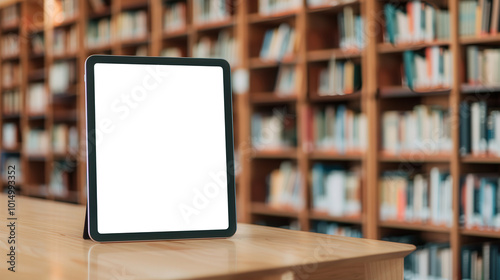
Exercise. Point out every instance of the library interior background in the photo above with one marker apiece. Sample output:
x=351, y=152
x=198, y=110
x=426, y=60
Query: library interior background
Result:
x=373, y=119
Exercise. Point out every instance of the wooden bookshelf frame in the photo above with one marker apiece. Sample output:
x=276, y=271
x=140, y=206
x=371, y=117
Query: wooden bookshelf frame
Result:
x=372, y=98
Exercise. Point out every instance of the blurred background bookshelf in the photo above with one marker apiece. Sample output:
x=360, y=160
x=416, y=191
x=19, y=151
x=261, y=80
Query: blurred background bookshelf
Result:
x=375, y=119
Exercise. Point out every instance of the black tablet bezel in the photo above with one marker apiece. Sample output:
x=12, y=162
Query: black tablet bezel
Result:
x=91, y=151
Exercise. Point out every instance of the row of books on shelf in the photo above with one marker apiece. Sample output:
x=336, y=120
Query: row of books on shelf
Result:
x=14, y=161
x=10, y=44
x=430, y=68
x=37, y=99
x=479, y=129
x=62, y=179
x=10, y=132
x=269, y=7
x=98, y=32
x=406, y=197
x=480, y=201
x=478, y=18
x=336, y=191
x=65, y=9
x=483, y=66
x=10, y=15
x=337, y=229
x=65, y=41
x=11, y=103
x=64, y=138
x=274, y=130
x=425, y=129
x=208, y=11
x=288, y=80
x=171, y=52
x=174, y=16
x=37, y=43
x=36, y=142
x=351, y=30
x=132, y=24
x=225, y=46
x=278, y=43
x=415, y=21
x=11, y=74
x=337, y=128
x=339, y=78
x=62, y=76
x=322, y=3
x=284, y=187
x=480, y=261
x=428, y=261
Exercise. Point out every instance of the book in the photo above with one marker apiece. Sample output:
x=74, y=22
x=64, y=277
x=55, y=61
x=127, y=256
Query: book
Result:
x=415, y=22
x=351, y=36
x=273, y=130
x=278, y=43
x=10, y=15
x=65, y=41
x=36, y=142
x=174, y=16
x=10, y=135
x=288, y=82
x=132, y=24
x=37, y=99
x=224, y=46
x=210, y=11
x=478, y=18
x=339, y=78
x=13, y=160
x=428, y=69
x=424, y=129
x=336, y=191
x=64, y=138
x=482, y=64
x=480, y=261
x=284, y=187
x=62, y=76
x=424, y=198
x=65, y=9
x=171, y=52
x=10, y=45
x=479, y=202
x=338, y=129
x=484, y=126
x=98, y=32
x=269, y=7
x=11, y=103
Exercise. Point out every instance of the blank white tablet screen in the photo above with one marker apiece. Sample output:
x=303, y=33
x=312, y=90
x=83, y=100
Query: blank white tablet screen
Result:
x=160, y=148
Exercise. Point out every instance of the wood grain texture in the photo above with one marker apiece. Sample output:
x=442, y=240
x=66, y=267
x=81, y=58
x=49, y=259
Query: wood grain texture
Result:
x=49, y=246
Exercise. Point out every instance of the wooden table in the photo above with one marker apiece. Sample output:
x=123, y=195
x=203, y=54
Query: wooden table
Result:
x=49, y=245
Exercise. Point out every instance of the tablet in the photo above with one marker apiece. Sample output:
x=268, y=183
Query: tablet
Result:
x=159, y=148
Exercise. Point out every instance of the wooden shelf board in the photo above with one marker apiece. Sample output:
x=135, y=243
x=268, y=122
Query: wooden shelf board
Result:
x=11, y=27
x=414, y=157
x=11, y=116
x=316, y=215
x=481, y=232
x=11, y=150
x=400, y=92
x=471, y=89
x=179, y=33
x=327, y=54
x=257, y=63
x=37, y=55
x=10, y=57
x=264, y=209
x=134, y=41
x=11, y=86
x=276, y=17
x=414, y=226
x=65, y=56
x=220, y=24
x=104, y=12
x=328, y=155
x=99, y=48
x=36, y=117
x=275, y=154
x=135, y=5
x=390, y=48
x=336, y=6
x=481, y=159
x=314, y=97
x=271, y=98
x=36, y=157
x=480, y=39
x=36, y=75
x=67, y=21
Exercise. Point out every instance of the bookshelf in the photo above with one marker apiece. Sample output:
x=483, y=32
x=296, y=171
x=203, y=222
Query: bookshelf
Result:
x=282, y=105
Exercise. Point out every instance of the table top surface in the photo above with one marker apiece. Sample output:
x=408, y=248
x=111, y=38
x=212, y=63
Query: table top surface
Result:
x=49, y=242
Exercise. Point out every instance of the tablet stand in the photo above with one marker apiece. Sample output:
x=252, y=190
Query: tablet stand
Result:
x=85, y=226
